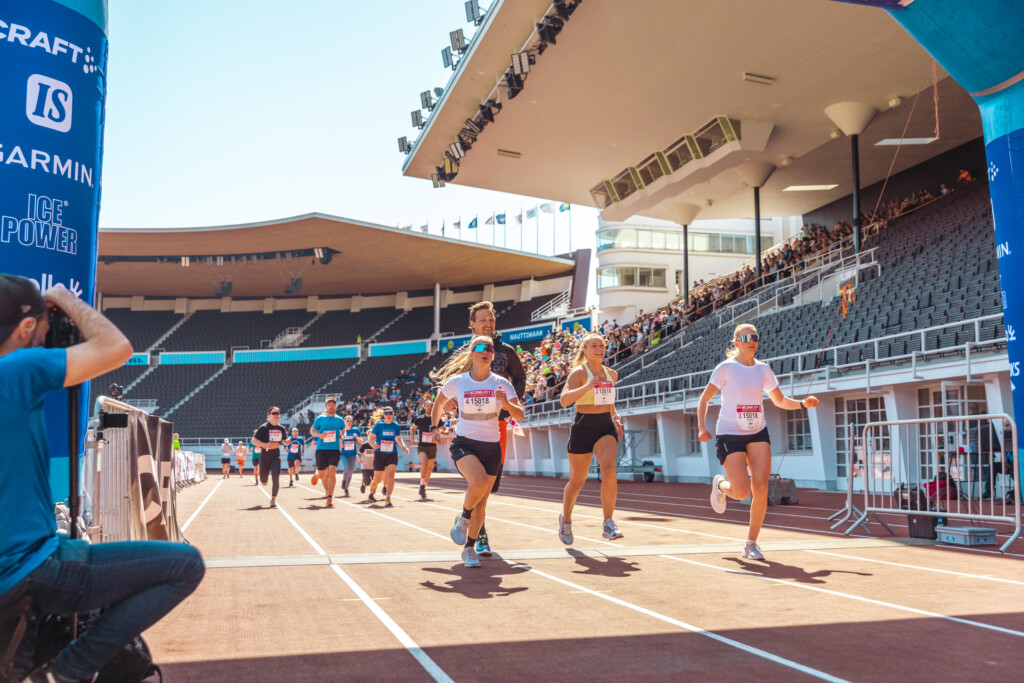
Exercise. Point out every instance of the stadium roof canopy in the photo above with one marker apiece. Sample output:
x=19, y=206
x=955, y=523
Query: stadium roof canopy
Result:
x=627, y=79
x=364, y=259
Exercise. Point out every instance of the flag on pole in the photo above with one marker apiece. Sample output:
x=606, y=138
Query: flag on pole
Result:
x=564, y=206
x=457, y=224
x=547, y=208
x=531, y=213
x=472, y=224
x=425, y=227
x=501, y=219
x=489, y=221
x=519, y=218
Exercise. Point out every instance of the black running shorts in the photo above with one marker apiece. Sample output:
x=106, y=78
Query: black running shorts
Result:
x=487, y=452
x=429, y=448
x=327, y=458
x=588, y=429
x=737, y=443
x=381, y=461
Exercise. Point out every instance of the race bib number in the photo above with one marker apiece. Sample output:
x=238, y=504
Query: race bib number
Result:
x=479, y=402
x=749, y=417
x=426, y=437
x=604, y=393
x=275, y=437
x=387, y=447
x=294, y=448
x=349, y=444
x=330, y=437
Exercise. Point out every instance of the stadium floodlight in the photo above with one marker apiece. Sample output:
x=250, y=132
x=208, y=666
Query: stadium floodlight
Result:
x=458, y=41
x=437, y=180
x=224, y=289
x=220, y=260
x=473, y=126
x=417, y=118
x=521, y=63
x=549, y=29
x=438, y=92
x=564, y=9
x=446, y=58
x=404, y=146
x=277, y=256
x=457, y=151
x=473, y=14
x=185, y=261
x=295, y=287
x=427, y=100
x=514, y=83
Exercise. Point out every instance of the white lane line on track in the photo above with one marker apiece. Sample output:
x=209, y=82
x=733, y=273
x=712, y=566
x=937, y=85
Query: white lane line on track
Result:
x=380, y=514
x=431, y=667
x=661, y=617
x=918, y=567
x=683, y=625
x=881, y=603
x=208, y=496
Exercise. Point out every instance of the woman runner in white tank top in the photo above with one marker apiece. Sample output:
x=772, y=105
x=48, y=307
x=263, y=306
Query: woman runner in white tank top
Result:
x=742, y=431
x=596, y=431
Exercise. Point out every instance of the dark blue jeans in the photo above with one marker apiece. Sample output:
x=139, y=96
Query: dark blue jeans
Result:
x=140, y=581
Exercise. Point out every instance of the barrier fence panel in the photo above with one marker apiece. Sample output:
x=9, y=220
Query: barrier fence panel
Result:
x=130, y=475
x=950, y=468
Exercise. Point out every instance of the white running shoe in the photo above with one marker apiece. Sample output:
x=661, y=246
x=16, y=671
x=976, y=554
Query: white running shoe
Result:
x=564, y=531
x=718, y=497
x=611, y=531
x=752, y=552
x=469, y=555
x=459, y=530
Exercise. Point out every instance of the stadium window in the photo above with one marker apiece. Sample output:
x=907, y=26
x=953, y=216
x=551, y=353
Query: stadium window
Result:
x=643, y=239
x=714, y=243
x=606, y=239
x=673, y=241
x=852, y=415
x=698, y=241
x=657, y=240
x=692, y=434
x=798, y=430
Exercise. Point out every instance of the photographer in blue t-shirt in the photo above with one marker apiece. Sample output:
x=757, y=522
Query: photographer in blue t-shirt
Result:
x=139, y=582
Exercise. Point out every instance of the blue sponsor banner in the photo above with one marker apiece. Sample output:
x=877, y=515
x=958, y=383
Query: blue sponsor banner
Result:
x=282, y=355
x=193, y=358
x=138, y=359
x=1005, y=156
x=52, y=91
x=399, y=348
x=523, y=334
x=577, y=324
x=449, y=344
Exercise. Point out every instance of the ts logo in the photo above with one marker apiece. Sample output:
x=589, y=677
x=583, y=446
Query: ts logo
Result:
x=48, y=103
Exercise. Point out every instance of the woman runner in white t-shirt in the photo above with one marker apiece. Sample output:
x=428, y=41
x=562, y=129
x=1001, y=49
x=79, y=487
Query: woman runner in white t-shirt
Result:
x=596, y=431
x=476, y=449
x=743, y=443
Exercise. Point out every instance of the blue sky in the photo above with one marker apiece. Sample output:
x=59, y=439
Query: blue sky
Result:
x=237, y=111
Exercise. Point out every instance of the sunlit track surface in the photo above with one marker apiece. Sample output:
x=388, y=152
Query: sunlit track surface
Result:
x=364, y=592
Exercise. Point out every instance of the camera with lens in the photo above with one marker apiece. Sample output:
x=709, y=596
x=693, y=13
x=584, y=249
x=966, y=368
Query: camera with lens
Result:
x=63, y=330
x=116, y=391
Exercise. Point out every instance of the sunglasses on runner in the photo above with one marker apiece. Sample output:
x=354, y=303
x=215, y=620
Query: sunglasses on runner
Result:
x=747, y=338
x=275, y=412
x=485, y=348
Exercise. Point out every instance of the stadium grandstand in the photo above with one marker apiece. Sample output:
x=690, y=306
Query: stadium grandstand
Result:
x=375, y=304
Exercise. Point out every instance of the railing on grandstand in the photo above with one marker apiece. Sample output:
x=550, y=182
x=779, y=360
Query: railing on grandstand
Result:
x=128, y=487
x=938, y=467
x=806, y=364
x=556, y=307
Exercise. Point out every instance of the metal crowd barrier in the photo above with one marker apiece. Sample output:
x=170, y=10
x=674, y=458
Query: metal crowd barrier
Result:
x=948, y=463
x=128, y=478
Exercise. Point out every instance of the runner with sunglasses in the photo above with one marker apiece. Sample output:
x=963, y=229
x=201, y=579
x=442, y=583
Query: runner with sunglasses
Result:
x=384, y=434
x=480, y=396
x=270, y=436
x=350, y=436
x=743, y=443
x=596, y=431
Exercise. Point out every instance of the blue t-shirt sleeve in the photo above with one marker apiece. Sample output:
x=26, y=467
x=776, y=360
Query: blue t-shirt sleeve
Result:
x=30, y=374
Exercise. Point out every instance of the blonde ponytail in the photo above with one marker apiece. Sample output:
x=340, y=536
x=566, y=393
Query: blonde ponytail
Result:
x=376, y=417
x=581, y=357
x=460, y=362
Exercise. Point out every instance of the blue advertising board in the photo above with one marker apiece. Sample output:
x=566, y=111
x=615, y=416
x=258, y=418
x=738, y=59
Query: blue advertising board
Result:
x=52, y=91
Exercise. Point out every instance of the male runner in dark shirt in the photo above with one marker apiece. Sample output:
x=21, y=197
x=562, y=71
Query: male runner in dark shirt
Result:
x=270, y=436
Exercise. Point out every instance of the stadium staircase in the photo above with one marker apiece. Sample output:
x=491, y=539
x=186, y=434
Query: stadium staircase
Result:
x=195, y=391
x=316, y=398
x=373, y=337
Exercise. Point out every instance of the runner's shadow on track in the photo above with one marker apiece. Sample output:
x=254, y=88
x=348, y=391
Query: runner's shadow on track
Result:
x=612, y=567
x=476, y=584
x=255, y=507
x=648, y=519
x=777, y=570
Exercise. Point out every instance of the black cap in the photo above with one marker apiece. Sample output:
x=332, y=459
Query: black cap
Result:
x=19, y=299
